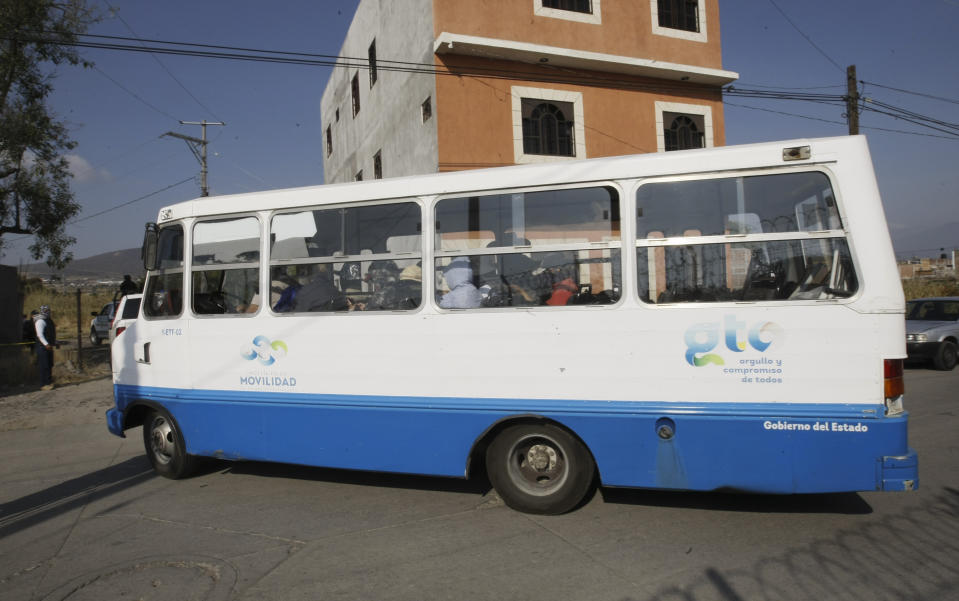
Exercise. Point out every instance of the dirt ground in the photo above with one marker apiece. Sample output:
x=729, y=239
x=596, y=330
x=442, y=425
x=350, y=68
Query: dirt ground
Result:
x=79, y=396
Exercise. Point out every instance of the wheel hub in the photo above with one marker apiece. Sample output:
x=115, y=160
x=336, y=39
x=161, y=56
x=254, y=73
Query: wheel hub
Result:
x=541, y=458
x=161, y=439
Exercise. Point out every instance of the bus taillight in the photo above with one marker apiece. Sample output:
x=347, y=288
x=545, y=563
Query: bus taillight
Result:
x=894, y=385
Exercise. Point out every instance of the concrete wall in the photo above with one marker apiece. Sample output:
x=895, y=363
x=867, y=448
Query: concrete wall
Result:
x=390, y=118
x=626, y=29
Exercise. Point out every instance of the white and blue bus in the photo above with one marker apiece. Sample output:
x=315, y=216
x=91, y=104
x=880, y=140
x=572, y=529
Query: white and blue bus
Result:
x=716, y=319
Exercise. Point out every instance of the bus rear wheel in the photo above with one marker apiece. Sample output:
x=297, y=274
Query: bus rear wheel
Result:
x=165, y=447
x=540, y=468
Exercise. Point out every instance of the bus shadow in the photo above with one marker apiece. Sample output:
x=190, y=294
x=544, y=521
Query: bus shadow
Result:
x=838, y=503
x=909, y=555
x=36, y=508
x=474, y=485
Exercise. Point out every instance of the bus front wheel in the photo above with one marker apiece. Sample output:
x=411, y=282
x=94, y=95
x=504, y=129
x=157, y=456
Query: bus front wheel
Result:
x=165, y=446
x=539, y=468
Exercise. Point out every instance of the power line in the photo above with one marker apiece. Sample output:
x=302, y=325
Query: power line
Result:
x=536, y=73
x=131, y=93
x=113, y=208
x=130, y=202
x=162, y=66
x=870, y=83
x=808, y=39
x=756, y=108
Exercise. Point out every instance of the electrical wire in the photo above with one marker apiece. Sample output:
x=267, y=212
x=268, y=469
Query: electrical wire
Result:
x=116, y=13
x=131, y=93
x=130, y=202
x=808, y=39
x=870, y=83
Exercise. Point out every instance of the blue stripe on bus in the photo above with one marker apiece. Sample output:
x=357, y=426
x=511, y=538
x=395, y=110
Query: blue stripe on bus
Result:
x=759, y=447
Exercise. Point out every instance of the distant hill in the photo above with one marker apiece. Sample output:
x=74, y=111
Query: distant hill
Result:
x=111, y=265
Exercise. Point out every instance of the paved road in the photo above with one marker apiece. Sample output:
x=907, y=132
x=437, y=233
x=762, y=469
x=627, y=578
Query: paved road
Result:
x=84, y=518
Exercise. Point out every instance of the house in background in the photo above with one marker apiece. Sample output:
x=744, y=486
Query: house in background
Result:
x=441, y=85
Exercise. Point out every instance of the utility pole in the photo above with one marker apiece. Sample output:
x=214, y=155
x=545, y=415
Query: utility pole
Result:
x=198, y=148
x=852, y=100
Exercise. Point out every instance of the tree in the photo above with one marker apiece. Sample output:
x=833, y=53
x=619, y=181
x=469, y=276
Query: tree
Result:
x=35, y=195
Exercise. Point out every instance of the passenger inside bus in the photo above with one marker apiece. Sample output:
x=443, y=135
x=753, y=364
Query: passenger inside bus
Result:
x=462, y=293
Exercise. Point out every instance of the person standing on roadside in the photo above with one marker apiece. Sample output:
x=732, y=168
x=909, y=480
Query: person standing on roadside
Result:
x=46, y=341
x=128, y=286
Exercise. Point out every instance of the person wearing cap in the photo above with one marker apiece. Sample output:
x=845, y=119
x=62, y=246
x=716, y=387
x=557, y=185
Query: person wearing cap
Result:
x=46, y=332
x=463, y=294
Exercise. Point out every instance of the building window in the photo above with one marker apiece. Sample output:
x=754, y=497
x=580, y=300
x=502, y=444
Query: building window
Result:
x=355, y=89
x=329, y=140
x=684, y=19
x=547, y=125
x=427, y=109
x=359, y=176
x=372, y=58
x=579, y=6
x=378, y=165
x=679, y=14
x=583, y=11
x=681, y=126
x=682, y=132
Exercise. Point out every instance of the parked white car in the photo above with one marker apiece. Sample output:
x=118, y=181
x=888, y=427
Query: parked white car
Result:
x=127, y=312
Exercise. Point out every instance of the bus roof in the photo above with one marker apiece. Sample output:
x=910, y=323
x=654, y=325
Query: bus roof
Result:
x=704, y=160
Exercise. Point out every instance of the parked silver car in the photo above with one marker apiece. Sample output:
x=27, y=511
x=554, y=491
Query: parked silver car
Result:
x=932, y=330
x=100, y=324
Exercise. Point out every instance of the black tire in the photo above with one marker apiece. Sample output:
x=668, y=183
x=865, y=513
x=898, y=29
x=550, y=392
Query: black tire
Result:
x=94, y=338
x=946, y=358
x=165, y=447
x=540, y=468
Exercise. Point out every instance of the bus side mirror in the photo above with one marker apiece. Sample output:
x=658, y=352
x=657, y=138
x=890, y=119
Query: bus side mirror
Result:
x=148, y=252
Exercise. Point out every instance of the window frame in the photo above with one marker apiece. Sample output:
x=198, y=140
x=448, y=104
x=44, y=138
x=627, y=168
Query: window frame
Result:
x=180, y=269
x=620, y=244
x=419, y=254
x=799, y=235
x=692, y=36
x=700, y=110
x=258, y=264
x=518, y=94
x=371, y=60
x=355, y=93
x=595, y=17
x=426, y=109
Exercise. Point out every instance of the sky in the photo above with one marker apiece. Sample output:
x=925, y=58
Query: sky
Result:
x=118, y=110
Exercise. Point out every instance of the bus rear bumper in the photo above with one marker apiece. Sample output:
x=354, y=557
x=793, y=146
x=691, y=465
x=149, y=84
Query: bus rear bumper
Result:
x=899, y=473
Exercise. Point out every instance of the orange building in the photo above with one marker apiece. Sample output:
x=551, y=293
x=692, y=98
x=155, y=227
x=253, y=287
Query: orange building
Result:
x=441, y=85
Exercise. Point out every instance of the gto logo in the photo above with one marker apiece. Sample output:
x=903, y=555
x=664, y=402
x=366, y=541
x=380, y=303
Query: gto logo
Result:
x=702, y=338
x=265, y=351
